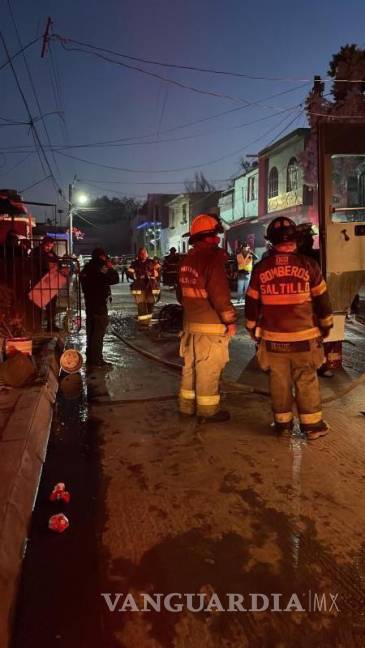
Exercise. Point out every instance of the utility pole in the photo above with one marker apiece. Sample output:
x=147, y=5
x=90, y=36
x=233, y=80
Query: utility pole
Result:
x=46, y=37
x=70, y=213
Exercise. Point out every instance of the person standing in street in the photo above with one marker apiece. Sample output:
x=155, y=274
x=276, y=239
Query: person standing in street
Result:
x=96, y=278
x=124, y=269
x=209, y=321
x=170, y=269
x=144, y=287
x=244, y=259
x=43, y=259
x=289, y=311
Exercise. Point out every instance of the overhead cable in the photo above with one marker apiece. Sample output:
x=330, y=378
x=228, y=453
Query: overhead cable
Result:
x=188, y=168
x=200, y=69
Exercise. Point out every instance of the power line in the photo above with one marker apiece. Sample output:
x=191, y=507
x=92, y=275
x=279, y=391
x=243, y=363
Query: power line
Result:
x=18, y=164
x=32, y=85
x=146, y=182
x=189, y=168
x=35, y=184
x=179, y=84
x=199, y=69
x=23, y=49
x=31, y=122
x=121, y=143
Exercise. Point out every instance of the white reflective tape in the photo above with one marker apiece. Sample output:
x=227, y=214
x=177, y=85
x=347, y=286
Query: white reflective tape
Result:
x=208, y=400
x=188, y=394
x=307, y=419
x=283, y=417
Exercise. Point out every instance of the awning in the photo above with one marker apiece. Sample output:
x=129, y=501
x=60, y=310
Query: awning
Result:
x=12, y=206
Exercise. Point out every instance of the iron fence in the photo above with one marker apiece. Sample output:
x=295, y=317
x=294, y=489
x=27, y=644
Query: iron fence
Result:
x=39, y=288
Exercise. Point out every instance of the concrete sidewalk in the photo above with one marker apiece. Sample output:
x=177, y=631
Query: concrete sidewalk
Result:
x=25, y=420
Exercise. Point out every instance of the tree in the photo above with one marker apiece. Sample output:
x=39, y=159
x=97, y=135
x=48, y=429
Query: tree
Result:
x=348, y=63
x=200, y=183
x=348, y=100
x=107, y=222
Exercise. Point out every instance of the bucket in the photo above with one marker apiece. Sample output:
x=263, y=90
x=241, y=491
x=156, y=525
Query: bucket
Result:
x=71, y=361
x=22, y=344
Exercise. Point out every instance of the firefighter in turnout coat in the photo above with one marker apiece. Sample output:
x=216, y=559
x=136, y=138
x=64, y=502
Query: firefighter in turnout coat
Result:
x=288, y=309
x=209, y=321
x=144, y=287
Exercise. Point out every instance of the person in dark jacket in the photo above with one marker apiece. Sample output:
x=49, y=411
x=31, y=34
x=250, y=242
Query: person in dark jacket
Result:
x=170, y=268
x=43, y=260
x=96, y=278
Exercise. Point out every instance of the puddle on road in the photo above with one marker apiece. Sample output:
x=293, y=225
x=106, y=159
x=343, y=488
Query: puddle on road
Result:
x=58, y=602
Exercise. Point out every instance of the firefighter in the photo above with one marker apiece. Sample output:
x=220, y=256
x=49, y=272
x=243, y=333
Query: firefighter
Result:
x=288, y=309
x=96, y=277
x=209, y=321
x=144, y=287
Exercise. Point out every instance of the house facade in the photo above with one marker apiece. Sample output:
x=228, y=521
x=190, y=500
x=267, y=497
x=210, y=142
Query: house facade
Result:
x=275, y=187
x=182, y=210
x=226, y=205
x=282, y=190
x=149, y=226
x=245, y=210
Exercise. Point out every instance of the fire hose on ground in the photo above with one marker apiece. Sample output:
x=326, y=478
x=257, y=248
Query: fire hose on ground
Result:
x=228, y=385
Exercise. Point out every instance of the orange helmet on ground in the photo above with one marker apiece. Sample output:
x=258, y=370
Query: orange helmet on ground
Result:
x=204, y=225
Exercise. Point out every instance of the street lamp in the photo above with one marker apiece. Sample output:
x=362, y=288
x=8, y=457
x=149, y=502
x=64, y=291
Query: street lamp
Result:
x=79, y=200
x=82, y=199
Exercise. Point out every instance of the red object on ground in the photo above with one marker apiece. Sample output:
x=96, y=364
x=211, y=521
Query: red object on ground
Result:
x=333, y=353
x=58, y=523
x=60, y=493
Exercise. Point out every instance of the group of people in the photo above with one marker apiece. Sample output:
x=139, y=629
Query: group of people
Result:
x=288, y=314
x=22, y=271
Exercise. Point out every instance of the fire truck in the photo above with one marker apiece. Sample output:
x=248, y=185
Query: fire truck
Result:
x=341, y=160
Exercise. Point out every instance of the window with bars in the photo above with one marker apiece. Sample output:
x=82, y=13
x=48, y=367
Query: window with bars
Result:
x=273, y=183
x=292, y=175
x=251, y=189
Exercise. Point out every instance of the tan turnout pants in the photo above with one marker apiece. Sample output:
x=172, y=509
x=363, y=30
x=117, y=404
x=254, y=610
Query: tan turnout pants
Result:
x=205, y=357
x=293, y=376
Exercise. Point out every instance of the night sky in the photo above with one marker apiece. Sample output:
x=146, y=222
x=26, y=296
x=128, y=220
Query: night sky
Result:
x=102, y=101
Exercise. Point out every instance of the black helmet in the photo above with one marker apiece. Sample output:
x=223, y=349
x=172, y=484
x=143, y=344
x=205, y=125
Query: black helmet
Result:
x=281, y=230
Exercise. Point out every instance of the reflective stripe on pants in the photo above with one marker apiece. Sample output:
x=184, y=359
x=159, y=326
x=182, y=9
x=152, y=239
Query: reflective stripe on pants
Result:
x=205, y=357
x=296, y=369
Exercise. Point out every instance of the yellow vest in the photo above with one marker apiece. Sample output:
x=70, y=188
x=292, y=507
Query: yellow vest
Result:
x=245, y=262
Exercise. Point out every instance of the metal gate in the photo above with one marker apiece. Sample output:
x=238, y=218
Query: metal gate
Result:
x=39, y=287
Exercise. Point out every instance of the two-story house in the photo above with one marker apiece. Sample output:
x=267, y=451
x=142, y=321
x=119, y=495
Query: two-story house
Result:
x=182, y=210
x=245, y=211
x=282, y=190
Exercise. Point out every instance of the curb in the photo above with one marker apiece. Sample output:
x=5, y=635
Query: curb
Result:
x=23, y=450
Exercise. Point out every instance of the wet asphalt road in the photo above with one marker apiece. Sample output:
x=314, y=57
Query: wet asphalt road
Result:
x=161, y=505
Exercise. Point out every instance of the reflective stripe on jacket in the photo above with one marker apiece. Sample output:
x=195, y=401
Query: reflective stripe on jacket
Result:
x=287, y=299
x=204, y=291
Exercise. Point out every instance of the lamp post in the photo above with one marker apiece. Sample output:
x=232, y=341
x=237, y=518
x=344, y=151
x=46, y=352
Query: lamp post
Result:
x=80, y=199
